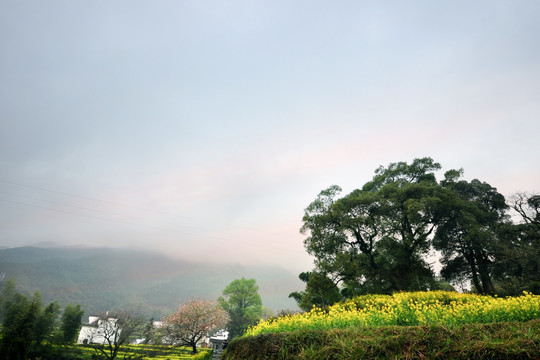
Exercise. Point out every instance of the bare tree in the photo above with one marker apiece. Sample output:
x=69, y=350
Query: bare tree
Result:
x=115, y=331
x=528, y=206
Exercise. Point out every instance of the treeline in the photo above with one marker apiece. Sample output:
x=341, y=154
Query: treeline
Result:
x=31, y=329
x=377, y=239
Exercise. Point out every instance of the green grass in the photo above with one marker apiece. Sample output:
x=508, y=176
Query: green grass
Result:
x=143, y=352
x=505, y=340
x=418, y=325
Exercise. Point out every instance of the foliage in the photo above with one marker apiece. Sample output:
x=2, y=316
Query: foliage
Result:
x=518, y=254
x=18, y=327
x=373, y=239
x=467, y=233
x=71, y=323
x=243, y=303
x=416, y=308
x=505, y=340
x=46, y=323
x=193, y=320
x=26, y=325
x=376, y=239
x=144, y=282
x=7, y=297
x=320, y=291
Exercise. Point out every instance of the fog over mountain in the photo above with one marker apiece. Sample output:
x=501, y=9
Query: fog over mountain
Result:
x=107, y=279
x=195, y=128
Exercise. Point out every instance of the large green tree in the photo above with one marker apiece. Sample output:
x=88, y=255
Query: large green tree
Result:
x=242, y=301
x=467, y=234
x=375, y=238
x=71, y=323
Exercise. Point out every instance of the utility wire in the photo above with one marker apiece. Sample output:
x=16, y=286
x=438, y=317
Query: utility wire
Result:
x=229, y=240
x=91, y=216
x=83, y=208
x=111, y=203
x=264, y=244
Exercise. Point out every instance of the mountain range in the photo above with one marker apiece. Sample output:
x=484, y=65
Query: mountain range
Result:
x=148, y=283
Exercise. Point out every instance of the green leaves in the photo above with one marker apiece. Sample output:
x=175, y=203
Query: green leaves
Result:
x=71, y=323
x=467, y=230
x=320, y=291
x=373, y=238
x=376, y=238
x=243, y=303
x=25, y=323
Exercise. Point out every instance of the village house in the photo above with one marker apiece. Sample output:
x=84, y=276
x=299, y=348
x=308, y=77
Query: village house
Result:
x=219, y=343
x=95, y=330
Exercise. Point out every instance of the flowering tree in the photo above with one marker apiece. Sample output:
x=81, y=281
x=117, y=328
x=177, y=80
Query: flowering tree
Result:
x=194, y=320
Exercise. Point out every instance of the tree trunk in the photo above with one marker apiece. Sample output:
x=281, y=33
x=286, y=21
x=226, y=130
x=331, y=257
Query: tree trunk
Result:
x=487, y=283
x=483, y=271
x=476, y=281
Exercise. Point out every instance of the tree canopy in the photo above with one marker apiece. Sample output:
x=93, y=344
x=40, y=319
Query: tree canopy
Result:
x=71, y=322
x=372, y=239
x=27, y=326
x=243, y=303
x=320, y=291
x=377, y=238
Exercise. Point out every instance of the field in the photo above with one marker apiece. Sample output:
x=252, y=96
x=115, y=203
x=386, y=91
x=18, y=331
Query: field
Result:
x=142, y=352
x=445, y=325
x=415, y=308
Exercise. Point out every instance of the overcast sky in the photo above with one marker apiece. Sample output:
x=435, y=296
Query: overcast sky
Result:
x=203, y=128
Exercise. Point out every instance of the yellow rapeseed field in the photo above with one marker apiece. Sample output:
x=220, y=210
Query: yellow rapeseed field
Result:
x=408, y=308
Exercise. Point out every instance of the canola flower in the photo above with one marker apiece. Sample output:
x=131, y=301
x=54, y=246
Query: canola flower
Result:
x=407, y=309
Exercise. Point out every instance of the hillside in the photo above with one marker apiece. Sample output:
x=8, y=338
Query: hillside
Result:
x=405, y=325
x=102, y=279
x=507, y=340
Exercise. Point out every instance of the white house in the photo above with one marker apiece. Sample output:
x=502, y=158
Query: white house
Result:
x=219, y=340
x=96, y=331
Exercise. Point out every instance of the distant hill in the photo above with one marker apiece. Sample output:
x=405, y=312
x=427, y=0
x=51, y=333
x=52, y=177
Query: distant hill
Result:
x=150, y=283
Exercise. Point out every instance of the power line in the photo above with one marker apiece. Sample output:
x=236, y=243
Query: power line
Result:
x=71, y=194
x=137, y=219
x=81, y=207
x=109, y=203
x=89, y=216
x=227, y=240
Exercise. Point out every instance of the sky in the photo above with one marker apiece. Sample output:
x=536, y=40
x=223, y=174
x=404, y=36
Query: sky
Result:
x=203, y=129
